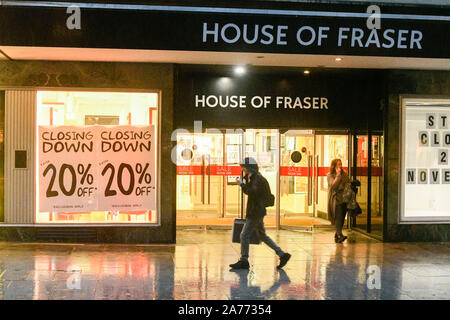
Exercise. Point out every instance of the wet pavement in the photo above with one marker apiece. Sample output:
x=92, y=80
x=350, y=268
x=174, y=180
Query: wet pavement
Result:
x=197, y=268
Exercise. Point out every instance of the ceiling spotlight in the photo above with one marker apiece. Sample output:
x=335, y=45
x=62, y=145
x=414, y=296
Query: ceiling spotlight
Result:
x=338, y=59
x=306, y=72
x=239, y=70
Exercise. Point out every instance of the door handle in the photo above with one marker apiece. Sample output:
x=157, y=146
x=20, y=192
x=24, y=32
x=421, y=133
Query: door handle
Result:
x=309, y=181
x=203, y=179
x=316, y=182
x=209, y=179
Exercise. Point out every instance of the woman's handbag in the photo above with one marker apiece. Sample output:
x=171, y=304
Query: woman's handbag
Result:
x=356, y=211
x=348, y=195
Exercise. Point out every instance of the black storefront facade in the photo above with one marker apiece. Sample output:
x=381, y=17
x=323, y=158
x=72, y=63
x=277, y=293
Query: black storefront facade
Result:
x=357, y=102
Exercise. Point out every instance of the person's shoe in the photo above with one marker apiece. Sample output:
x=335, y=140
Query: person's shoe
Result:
x=241, y=264
x=341, y=239
x=283, y=260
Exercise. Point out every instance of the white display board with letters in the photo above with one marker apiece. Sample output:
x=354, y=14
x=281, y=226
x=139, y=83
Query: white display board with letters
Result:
x=425, y=170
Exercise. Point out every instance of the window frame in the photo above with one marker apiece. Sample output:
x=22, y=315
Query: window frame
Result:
x=158, y=159
x=403, y=100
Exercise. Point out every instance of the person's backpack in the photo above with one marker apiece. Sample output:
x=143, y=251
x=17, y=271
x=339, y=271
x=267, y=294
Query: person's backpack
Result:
x=269, y=198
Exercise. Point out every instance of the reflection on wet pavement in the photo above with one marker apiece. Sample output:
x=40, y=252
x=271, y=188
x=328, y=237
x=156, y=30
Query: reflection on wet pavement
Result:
x=197, y=268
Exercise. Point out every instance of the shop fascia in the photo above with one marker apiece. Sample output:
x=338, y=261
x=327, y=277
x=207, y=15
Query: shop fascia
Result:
x=257, y=102
x=269, y=34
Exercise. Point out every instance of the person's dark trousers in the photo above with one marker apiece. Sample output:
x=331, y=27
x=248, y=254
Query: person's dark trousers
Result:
x=258, y=224
x=341, y=211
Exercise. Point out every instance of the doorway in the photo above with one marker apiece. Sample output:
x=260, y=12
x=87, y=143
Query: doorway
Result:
x=305, y=159
x=207, y=167
x=368, y=153
x=295, y=163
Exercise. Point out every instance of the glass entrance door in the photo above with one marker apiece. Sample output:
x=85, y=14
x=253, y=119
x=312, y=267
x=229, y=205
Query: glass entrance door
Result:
x=305, y=159
x=263, y=146
x=233, y=151
x=296, y=176
x=199, y=188
x=371, y=189
x=295, y=163
x=328, y=147
x=207, y=167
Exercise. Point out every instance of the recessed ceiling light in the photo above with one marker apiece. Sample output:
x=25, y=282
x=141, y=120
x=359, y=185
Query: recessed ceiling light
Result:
x=239, y=70
x=306, y=72
x=338, y=59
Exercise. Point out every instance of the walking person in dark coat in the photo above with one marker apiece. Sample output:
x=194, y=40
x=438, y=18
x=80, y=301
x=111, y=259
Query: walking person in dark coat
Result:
x=257, y=188
x=337, y=209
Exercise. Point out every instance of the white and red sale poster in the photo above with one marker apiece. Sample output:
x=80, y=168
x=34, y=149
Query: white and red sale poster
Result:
x=96, y=168
x=126, y=166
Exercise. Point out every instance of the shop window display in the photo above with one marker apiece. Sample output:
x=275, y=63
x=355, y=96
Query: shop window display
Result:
x=425, y=166
x=96, y=157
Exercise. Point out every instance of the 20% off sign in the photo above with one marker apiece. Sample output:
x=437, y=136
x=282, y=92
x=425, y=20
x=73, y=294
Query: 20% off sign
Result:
x=129, y=179
x=79, y=181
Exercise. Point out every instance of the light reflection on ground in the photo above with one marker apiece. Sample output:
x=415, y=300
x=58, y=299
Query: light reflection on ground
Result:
x=197, y=268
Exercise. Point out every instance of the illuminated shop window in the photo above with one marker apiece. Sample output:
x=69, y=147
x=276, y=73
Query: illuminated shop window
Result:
x=425, y=160
x=96, y=157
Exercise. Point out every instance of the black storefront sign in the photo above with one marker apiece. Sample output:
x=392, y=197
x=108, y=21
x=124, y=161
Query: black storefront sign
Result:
x=317, y=32
x=322, y=100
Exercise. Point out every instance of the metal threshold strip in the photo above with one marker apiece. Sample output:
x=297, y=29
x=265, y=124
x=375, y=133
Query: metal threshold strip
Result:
x=56, y=4
x=215, y=227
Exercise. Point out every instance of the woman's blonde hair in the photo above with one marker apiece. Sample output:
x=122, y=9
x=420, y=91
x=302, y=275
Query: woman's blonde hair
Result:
x=333, y=165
